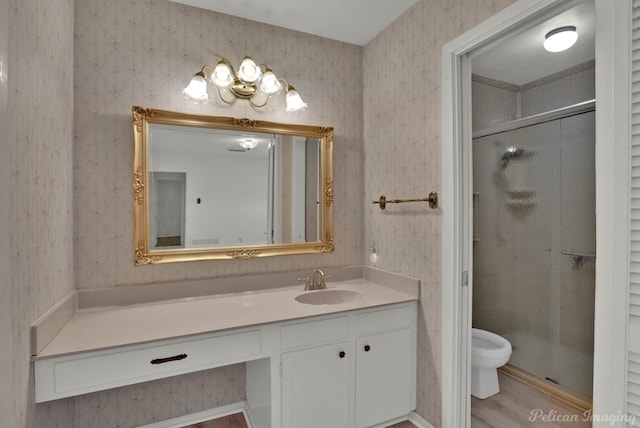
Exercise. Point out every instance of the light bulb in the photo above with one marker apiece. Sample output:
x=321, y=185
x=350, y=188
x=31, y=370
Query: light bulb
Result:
x=196, y=90
x=269, y=83
x=222, y=74
x=294, y=101
x=249, y=72
x=560, y=39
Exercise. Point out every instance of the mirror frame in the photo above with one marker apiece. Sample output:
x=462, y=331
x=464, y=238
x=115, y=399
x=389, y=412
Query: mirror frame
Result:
x=144, y=255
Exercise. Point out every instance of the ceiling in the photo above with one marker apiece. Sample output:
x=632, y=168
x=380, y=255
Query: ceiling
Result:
x=520, y=58
x=351, y=21
x=208, y=142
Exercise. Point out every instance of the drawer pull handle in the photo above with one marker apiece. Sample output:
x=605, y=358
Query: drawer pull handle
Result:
x=367, y=348
x=342, y=354
x=168, y=359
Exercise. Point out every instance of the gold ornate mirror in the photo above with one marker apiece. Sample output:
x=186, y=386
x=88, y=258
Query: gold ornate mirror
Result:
x=210, y=187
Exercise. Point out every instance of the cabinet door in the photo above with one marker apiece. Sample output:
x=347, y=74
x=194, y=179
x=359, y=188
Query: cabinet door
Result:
x=315, y=387
x=383, y=377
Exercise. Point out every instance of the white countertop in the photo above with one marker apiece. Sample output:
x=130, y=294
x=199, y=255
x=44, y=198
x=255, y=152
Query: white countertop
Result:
x=114, y=326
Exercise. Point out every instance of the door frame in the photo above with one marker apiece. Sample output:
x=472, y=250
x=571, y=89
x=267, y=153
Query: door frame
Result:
x=156, y=178
x=613, y=138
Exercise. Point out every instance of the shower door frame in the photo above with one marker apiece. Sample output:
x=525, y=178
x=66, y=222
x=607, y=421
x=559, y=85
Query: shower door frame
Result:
x=613, y=139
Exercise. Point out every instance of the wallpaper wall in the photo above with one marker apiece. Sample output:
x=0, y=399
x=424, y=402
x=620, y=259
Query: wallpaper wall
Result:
x=40, y=186
x=130, y=52
x=402, y=132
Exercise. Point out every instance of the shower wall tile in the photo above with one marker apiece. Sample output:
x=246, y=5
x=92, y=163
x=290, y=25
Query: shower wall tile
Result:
x=402, y=135
x=492, y=105
x=39, y=135
x=131, y=52
x=573, y=89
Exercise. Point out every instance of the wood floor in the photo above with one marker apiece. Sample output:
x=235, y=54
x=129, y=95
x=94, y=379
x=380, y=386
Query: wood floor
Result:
x=518, y=405
x=405, y=424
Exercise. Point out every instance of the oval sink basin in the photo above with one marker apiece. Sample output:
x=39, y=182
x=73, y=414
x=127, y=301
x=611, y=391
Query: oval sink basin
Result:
x=327, y=297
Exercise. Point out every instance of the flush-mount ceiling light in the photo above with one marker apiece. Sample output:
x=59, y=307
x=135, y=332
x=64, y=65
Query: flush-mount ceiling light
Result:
x=253, y=82
x=560, y=39
x=248, y=143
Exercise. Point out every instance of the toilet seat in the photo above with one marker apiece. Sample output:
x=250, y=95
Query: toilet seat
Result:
x=486, y=344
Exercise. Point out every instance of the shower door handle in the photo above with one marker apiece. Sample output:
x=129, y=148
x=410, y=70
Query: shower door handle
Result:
x=575, y=254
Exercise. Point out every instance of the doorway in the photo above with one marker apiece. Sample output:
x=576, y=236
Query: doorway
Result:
x=533, y=209
x=167, y=202
x=612, y=142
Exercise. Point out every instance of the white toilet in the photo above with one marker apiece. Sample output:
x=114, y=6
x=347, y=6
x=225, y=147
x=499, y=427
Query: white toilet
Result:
x=488, y=352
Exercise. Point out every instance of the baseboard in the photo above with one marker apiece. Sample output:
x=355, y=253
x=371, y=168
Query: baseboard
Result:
x=203, y=416
x=412, y=417
x=549, y=388
x=418, y=420
x=248, y=417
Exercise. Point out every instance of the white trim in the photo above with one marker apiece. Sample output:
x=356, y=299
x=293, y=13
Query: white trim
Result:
x=612, y=142
x=418, y=421
x=613, y=137
x=536, y=119
x=203, y=416
x=412, y=417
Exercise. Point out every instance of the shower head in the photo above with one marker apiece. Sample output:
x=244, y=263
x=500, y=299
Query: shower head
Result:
x=511, y=153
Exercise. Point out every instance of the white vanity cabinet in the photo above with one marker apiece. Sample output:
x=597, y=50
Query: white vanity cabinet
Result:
x=363, y=361
x=315, y=387
x=384, y=386
x=315, y=372
x=309, y=363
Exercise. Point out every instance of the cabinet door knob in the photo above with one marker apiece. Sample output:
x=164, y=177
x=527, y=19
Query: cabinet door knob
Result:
x=342, y=354
x=367, y=348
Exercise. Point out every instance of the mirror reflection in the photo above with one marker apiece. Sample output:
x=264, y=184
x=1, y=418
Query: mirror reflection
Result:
x=209, y=187
x=214, y=187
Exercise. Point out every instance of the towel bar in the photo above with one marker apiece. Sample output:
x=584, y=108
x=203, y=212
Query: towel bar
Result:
x=432, y=200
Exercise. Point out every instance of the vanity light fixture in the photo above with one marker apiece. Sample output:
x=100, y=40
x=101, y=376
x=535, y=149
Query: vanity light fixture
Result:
x=253, y=82
x=560, y=39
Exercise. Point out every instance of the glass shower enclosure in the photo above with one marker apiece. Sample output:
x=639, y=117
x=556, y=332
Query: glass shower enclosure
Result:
x=534, y=245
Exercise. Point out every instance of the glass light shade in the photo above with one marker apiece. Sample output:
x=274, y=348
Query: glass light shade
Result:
x=294, y=101
x=560, y=39
x=270, y=83
x=196, y=90
x=249, y=72
x=226, y=96
x=222, y=75
x=260, y=98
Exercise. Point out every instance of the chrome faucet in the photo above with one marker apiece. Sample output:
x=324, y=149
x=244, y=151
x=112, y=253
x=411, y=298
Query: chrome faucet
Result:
x=316, y=282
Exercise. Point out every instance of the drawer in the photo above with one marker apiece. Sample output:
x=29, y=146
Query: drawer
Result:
x=314, y=332
x=385, y=319
x=79, y=374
